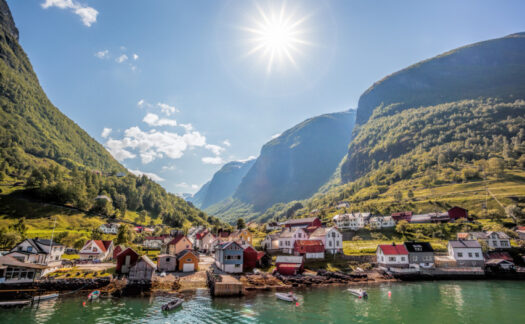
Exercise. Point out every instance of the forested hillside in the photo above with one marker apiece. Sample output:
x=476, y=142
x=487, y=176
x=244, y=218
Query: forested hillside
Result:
x=46, y=157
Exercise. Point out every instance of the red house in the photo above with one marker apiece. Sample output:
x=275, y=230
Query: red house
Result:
x=457, y=213
x=407, y=215
x=310, y=249
x=303, y=222
x=249, y=259
x=289, y=265
x=125, y=260
x=117, y=250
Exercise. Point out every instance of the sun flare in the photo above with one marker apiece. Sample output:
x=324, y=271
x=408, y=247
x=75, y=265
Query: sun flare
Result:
x=277, y=36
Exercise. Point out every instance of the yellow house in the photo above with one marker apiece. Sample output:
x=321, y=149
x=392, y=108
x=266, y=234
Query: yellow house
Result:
x=242, y=236
x=179, y=244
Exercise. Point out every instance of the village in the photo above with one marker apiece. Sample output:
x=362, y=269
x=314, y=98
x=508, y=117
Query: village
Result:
x=276, y=255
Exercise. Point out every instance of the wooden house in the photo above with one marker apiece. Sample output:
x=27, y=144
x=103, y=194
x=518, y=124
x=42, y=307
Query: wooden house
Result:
x=466, y=253
x=270, y=242
x=153, y=242
x=96, y=250
x=420, y=254
x=125, y=260
x=288, y=236
x=249, y=258
x=393, y=255
x=332, y=239
x=303, y=222
x=187, y=261
x=310, y=249
x=178, y=244
x=242, y=236
x=38, y=251
x=15, y=271
x=399, y=216
x=166, y=263
x=457, y=213
x=229, y=257
x=144, y=269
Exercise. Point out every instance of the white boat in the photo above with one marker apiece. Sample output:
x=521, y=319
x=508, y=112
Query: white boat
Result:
x=358, y=292
x=290, y=297
x=45, y=297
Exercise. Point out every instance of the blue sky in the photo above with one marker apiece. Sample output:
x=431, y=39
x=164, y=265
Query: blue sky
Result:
x=177, y=87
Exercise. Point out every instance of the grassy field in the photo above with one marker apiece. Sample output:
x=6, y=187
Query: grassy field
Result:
x=370, y=246
x=75, y=272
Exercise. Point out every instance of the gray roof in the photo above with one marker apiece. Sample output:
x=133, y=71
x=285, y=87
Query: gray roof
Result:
x=289, y=259
x=470, y=244
x=300, y=220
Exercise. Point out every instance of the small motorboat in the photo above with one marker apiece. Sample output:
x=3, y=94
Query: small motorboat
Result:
x=45, y=297
x=358, y=292
x=289, y=297
x=175, y=303
x=95, y=294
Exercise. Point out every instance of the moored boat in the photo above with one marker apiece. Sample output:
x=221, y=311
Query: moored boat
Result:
x=175, y=303
x=358, y=292
x=290, y=297
x=94, y=295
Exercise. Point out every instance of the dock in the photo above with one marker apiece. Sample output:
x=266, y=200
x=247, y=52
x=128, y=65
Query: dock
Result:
x=222, y=285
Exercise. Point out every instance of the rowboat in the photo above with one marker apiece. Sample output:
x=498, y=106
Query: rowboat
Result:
x=290, y=297
x=45, y=297
x=358, y=292
x=177, y=302
x=94, y=295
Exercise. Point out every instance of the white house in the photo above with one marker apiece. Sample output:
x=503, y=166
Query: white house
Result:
x=270, y=242
x=153, y=242
x=353, y=221
x=494, y=240
x=206, y=241
x=342, y=204
x=96, y=250
x=38, y=251
x=287, y=239
x=393, y=255
x=466, y=253
x=111, y=228
x=272, y=226
x=331, y=238
x=379, y=222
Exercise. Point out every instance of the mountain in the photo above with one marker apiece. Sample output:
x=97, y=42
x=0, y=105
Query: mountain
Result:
x=222, y=185
x=46, y=157
x=292, y=166
x=489, y=69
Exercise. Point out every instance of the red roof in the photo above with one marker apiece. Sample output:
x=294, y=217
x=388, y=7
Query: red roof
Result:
x=389, y=249
x=176, y=239
x=158, y=238
x=500, y=255
x=521, y=228
x=103, y=245
x=260, y=254
x=309, y=246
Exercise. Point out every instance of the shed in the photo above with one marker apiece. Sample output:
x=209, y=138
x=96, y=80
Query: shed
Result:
x=249, y=258
x=289, y=265
x=166, y=263
x=144, y=269
x=310, y=249
x=457, y=213
x=125, y=260
x=188, y=261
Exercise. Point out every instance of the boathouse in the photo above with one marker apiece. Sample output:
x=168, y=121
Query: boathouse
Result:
x=187, y=261
x=289, y=265
x=125, y=260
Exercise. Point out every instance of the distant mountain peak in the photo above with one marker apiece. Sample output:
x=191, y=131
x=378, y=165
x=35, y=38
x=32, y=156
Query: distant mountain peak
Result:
x=6, y=19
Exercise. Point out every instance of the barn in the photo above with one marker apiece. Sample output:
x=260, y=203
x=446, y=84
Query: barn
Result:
x=457, y=213
x=125, y=260
x=310, y=249
x=289, y=265
x=249, y=258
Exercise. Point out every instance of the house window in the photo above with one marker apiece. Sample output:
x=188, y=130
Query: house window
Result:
x=337, y=243
x=413, y=258
x=392, y=259
x=237, y=265
x=330, y=243
x=333, y=234
x=382, y=258
x=460, y=254
x=167, y=259
x=495, y=243
x=29, y=248
x=477, y=255
x=470, y=255
x=402, y=258
x=188, y=260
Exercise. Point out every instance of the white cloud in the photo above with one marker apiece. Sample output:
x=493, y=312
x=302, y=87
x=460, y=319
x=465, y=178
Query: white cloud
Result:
x=276, y=135
x=141, y=103
x=154, y=144
x=212, y=160
x=227, y=143
x=122, y=58
x=117, y=149
x=167, y=109
x=154, y=120
x=86, y=13
x=169, y=168
x=102, y=54
x=135, y=57
x=105, y=132
x=216, y=149
x=187, y=127
x=150, y=175
x=194, y=186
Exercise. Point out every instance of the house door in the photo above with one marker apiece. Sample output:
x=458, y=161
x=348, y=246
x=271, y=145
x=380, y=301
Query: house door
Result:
x=125, y=266
x=188, y=267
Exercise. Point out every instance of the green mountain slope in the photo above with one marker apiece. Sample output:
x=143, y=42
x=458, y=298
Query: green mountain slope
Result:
x=222, y=185
x=490, y=69
x=290, y=167
x=46, y=157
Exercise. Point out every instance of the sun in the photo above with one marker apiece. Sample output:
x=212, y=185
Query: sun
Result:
x=277, y=36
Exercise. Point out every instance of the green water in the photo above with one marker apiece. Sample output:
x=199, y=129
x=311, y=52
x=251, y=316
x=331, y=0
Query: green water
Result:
x=422, y=302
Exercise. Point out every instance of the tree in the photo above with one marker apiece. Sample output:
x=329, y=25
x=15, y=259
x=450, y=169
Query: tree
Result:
x=124, y=234
x=142, y=216
x=402, y=227
x=496, y=166
x=513, y=211
x=398, y=196
x=20, y=227
x=410, y=194
x=240, y=223
x=96, y=234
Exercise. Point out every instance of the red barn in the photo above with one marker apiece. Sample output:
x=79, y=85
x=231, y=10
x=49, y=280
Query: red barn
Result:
x=289, y=265
x=407, y=215
x=457, y=213
x=117, y=250
x=249, y=259
x=310, y=249
x=125, y=260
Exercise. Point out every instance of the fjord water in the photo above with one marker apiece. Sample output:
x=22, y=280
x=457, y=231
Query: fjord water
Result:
x=421, y=302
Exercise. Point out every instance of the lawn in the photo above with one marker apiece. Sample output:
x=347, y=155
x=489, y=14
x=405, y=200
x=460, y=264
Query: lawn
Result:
x=75, y=272
x=365, y=247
